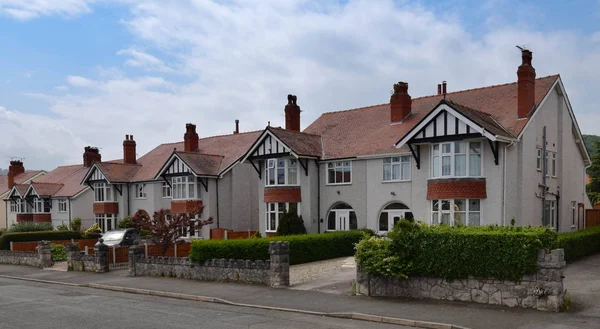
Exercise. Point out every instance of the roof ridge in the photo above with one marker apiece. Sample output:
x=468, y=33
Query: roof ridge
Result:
x=122, y=164
x=34, y=182
x=293, y=131
x=197, y=153
x=482, y=113
x=207, y=137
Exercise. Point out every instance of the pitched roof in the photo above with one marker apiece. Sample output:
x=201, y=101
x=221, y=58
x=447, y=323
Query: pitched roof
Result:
x=20, y=178
x=70, y=178
x=483, y=119
x=46, y=189
x=117, y=172
x=302, y=143
x=367, y=131
x=21, y=188
x=202, y=164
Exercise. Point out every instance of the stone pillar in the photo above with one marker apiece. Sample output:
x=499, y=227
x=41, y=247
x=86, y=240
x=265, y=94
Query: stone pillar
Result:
x=279, y=272
x=45, y=254
x=72, y=251
x=550, y=274
x=135, y=253
x=101, y=256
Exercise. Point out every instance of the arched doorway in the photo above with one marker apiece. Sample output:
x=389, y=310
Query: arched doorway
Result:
x=341, y=217
x=392, y=214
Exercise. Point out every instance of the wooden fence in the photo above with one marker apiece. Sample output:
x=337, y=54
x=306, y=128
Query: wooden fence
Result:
x=32, y=245
x=224, y=234
x=592, y=217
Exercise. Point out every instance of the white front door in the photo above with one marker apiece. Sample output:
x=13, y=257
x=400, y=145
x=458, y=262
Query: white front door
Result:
x=395, y=216
x=342, y=220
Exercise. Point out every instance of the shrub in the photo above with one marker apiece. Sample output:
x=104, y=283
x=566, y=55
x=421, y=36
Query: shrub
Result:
x=126, y=222
x=30, y=227
x=303, y=248
x=76, y=224
x=62, y=227
x=290, y=224
x=581, y=243
x=375, y=256
x=505, y=253
x=94, y=230
x=59, y=252
x=7, y=238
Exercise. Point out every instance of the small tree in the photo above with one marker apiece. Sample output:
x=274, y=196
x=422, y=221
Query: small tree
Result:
x=125, y=223
x=593, y=188
x=76, y=224
x=167, y=227
x=290, y=224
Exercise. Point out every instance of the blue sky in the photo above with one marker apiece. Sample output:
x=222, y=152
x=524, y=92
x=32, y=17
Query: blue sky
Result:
x=87, y=72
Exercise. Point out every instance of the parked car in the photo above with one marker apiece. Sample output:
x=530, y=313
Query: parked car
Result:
x=121, y=237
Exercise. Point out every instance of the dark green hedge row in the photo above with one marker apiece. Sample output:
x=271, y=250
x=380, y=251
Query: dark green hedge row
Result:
x=303, y=248
x=581, y=243
x=6, y=238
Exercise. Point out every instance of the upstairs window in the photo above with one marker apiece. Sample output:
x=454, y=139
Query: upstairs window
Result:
x=456, y=159
x=14, y=206
x=553, y=164
x=104, y=193
x=41, y=206
x=396, y=169
x=62, y=205
x=539, y=160
x=140, y=191
x=339, y=172
x=166, y=190
x=281, y=172
x=185, y=188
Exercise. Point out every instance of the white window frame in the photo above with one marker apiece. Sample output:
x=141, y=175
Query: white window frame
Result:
x=182, y=185
x=22, y=207
x=339, y=166
x=452, y=156
x=553, y=161
x=574, y=213
x=140, y=191
x=277, y=211
x=14, y=206
x=62, y=205
x=391, y=213
x=551, y=205
x=39, y=206
x=167, y=192
x=290, y=168
x=452, y=213
x=398, y=161
x=104, y=219
x=539, y=159
x=104, y=192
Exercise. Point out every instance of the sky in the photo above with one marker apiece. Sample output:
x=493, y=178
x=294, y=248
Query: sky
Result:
x=88, y=72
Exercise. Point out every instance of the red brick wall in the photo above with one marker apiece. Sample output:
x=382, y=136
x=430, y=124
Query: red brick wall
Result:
x=42, y=218
x=106, y=208
x=283, y=194
x=456, y=188
x=185, y=206
x=24, y=218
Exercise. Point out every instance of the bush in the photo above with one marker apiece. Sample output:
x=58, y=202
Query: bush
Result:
x=290, y=224
x=30, y=227
x=581, y=243
x=303, y=248
x=125, y=223
x=76, y=224
x=505, y=253
x=7, y=238
x=59, y=252
x=62, y=227
x=93, y=232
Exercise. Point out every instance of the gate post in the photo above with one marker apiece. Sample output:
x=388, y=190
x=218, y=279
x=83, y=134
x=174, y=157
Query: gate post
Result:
x=279, y=271
x=45, y=253
x=101, y=256
x=135, y=253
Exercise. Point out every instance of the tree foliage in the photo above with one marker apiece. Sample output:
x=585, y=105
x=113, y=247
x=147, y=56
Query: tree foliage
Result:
x=593, y=188
x=167, y=227
x=290, y=224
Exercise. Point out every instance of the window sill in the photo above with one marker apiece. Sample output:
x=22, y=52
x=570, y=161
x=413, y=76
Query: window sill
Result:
x=270, y=186
x=338, y=184
x=146, y=198
x=62, y=212
x=105, y=201
x=396, y=181
x=167, y=197
x=194, y=199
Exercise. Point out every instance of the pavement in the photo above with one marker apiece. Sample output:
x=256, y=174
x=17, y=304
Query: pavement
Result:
x=468, y=315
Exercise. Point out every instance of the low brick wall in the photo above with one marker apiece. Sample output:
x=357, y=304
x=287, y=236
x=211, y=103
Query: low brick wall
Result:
x=273, y=272
x=543, y=290
x=42, y=257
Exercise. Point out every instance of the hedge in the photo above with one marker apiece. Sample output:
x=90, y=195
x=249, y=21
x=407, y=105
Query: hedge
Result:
x=7, y=238
x=505, y=253
x=304, y=248
x=580, y=243
x=58, y=252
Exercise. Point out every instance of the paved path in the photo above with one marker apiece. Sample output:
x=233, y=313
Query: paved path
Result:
x=33, y=305
x=467, y=315
x=582, y=281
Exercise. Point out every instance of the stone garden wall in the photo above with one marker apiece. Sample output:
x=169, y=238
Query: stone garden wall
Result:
x=78, y=261
x=273, y=272
x=542, y=290
x=42, y=257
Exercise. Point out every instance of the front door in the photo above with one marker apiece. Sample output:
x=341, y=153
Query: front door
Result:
x=342, y=220
x=395, y=217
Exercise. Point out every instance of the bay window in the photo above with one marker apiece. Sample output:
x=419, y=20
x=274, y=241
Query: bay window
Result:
x=14, y=206
x=62, y=205
x=281, y=172
x=103, y=192
x=456, y=159
x=106, y=222
x=275, y=210
x=41, y=206
x=339, y=172
x=185, y=188
x=550, y=213
x=456, y=212
x=396, y=168
x=166, y=190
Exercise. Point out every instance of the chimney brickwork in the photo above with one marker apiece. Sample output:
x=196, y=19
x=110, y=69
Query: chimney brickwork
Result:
x=400, y=102
x=190, y=138
x=526, y=84
x=91, y=155
x=129, y=148
x=16, y=167
x=292, y=114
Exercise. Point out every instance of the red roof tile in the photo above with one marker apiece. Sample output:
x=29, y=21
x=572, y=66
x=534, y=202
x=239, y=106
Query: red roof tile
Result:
x=46, y=189
x=302, y=143
x=117, y=172
x=367, y=130
x=69, y=176
x=20, y=178
x=202, y=164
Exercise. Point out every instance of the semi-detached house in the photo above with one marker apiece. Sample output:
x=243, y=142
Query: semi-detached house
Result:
x=474, y=157
x=181, y=177
x=16, y=175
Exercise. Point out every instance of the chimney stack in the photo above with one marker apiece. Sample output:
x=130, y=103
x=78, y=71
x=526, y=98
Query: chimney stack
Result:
x=292, y=114
x=91, y=155
x=526, y=84
x=237, y=127
x=190, y=138
x=439, y=88
x=16, y=167
x=129, y=150
x=400, y=102
x=444, y=87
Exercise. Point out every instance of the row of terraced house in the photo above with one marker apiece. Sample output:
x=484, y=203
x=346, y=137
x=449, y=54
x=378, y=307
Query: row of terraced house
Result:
x=492, y=155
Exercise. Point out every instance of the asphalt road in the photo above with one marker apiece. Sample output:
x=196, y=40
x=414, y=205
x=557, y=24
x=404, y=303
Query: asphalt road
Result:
x=30, y=305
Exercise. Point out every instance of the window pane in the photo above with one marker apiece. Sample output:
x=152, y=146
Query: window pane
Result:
x=280, y=175
x=435, y=205
x=435, y=218
x=460, y=147
x=396, y=159
x=405, y=171
x=405, y=159
x=436, y=166
x=339, y=175
x=460, y=205
x=347, y=175
x=331, y=176
x=446, y=148
x=192, y=190
x=445, y=218
x=460, y=165
x=475, y=148
x=474, y=219
x=387, y=160
x=293, y=207
x=436, y=149
x=396, y=205
x=383, y=221
x=272, y=222
x=387, y=172
x=353, y=221
x=395, y=172
x=474, y=205
x=271, y=176
x=475, y=165
x=445, y=205
x=331, y=221
x=293, y=175
x=446, y=166
x=460, y=218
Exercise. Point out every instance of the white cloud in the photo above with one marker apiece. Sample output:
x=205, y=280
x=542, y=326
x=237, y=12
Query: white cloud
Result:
x=61, y=88
x=28, y=9
x=239, y=60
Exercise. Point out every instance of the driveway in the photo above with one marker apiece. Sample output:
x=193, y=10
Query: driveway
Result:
x=582, y=281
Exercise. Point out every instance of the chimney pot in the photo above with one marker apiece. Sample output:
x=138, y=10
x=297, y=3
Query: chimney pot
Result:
x=525, y=84
x=237, y=126
x=292, y=114
x=15, y=168
x=439, y=89
x=444, y=87
x=129, y=150
x=400, y=102
x=91, y=155
x=190, y=138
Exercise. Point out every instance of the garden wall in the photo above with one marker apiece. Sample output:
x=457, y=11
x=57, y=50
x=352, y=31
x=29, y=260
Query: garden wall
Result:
x=542, y=290
x=42, y=257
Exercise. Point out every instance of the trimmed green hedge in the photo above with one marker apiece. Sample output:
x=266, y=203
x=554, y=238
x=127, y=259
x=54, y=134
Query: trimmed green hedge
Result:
x=58, y=252
x=6, y=238
x=304, y=248
x=581, y=243
x=505, y=253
